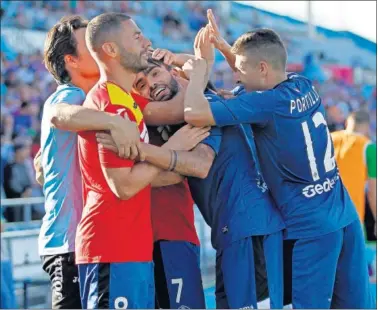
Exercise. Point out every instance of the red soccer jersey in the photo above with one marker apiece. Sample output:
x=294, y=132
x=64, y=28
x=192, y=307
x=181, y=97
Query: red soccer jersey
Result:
x=111, y=230
x=171, y=206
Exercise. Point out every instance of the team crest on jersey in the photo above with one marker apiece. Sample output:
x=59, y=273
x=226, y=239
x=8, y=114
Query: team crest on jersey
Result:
x=261, y=183
x=121, y=98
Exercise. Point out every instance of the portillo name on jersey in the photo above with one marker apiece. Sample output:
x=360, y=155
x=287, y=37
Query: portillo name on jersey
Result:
x=303, y=103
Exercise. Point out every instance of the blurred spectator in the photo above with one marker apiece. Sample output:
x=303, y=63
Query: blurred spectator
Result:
x=173, y=27
x=23, y=119
x=197, y=18
x=17, y=181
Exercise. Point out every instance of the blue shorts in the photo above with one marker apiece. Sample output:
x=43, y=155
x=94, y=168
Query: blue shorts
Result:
x=329, y=271
x=178, y=279
x=117, y=285
x=241, y=276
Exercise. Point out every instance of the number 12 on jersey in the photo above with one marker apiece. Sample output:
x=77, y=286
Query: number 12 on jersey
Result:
x=329, y=161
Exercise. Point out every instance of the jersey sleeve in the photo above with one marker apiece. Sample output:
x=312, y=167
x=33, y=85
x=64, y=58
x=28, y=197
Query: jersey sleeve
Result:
x=71, y=95
x=371, y=160
x=214, y=139
x=253, y=108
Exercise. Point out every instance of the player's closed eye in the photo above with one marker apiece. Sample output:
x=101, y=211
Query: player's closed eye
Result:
x=155, y=73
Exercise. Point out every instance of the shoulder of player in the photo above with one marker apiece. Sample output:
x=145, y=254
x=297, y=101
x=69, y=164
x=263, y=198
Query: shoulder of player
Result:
x=98, y=96
x=68, y=94
x=141, y=101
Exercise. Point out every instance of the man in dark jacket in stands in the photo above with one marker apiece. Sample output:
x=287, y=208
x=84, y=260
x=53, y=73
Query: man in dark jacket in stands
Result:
x=17, y=183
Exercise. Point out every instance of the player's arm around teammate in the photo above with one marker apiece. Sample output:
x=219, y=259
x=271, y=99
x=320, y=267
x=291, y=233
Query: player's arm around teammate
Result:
x=78, y=118
x=195, y=162
x=126, y=182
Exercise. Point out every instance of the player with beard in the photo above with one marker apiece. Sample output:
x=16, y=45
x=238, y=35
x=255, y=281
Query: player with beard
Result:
x=114, y=236
x=161, y=84
x=176, y=245
x=232, y=198
x=68, y=60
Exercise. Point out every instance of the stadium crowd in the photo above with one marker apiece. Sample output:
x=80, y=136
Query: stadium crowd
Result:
x=26, y=84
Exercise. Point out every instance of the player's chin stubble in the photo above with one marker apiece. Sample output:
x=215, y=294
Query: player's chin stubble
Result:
x=132, y=62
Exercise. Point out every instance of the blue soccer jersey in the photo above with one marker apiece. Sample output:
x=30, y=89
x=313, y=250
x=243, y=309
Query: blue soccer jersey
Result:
x=296, y=154
x=63, y=186
x=233, y=198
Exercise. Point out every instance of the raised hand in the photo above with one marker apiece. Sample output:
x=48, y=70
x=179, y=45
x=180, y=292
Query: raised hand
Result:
x=203, y=48
x=215, y=36
x=198, y=67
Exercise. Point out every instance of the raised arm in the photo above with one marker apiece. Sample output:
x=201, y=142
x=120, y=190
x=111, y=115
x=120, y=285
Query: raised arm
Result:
x=250, y=108
x=219, y=42
x=197, y=110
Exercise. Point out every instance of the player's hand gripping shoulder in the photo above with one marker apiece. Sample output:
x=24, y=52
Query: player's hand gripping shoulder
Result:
x=126, y=137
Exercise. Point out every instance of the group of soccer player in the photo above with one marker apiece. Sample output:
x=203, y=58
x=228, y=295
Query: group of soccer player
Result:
x=133, y=135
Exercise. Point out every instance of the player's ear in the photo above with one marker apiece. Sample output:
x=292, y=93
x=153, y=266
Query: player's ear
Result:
x=263, y=68
x=71, y=61
x=110, y=49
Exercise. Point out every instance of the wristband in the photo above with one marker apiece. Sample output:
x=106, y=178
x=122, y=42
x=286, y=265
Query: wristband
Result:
x=172, y=168
x=171, y=162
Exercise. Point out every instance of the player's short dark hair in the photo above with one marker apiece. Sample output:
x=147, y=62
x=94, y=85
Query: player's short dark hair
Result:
x=60, y=41
x=264, y=43
x=152, y=63
x=100, y=27
x=360, y=117
x=159, y=63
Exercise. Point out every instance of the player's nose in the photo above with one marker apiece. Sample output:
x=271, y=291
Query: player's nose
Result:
x=146, y=43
